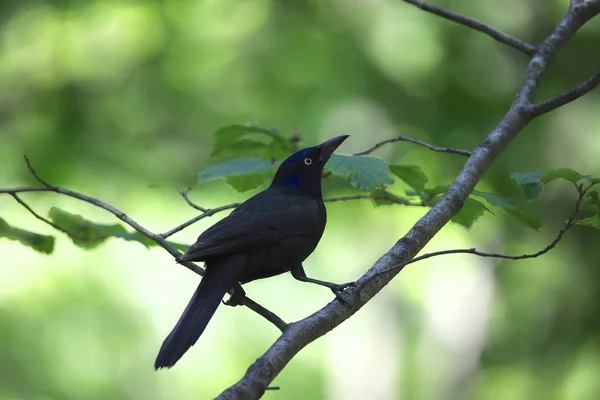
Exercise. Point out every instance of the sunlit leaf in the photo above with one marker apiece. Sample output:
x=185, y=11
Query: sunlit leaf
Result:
x=366, y=173
x=235, y=167
x=41, y=243
x=411, y=175
x=531, y=184
x=564, y=173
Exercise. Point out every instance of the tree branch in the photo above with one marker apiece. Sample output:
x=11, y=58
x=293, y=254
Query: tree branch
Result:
x=258, y=376
x=573, y=3
x=184, y=194
x=160, y=240
x=38, y=216
x=495, y=34
x=566, y=97
x=401, y=138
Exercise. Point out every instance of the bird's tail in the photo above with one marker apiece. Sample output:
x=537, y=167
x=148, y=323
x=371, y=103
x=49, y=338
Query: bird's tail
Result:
x=217, y=280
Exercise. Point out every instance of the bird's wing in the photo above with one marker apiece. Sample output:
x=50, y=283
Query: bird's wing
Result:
x=264, y=219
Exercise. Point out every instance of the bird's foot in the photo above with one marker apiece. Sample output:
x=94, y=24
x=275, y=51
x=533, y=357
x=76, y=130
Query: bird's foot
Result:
x=236, y=298
x=338, y=291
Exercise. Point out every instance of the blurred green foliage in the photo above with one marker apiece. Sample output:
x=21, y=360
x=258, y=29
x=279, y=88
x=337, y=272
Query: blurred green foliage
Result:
x=111, y=97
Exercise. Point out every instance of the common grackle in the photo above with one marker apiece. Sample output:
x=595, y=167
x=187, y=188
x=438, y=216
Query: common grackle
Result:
x=271, y=233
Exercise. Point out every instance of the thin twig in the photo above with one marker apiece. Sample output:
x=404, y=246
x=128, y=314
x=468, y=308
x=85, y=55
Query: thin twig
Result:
x=568, y=225
x=24, y=190
x=385, y=196
x=566, y=97
x=272, y=317
x=184, y=194
x=212, y=211
x=401, y=138
x=501, y=37
x=38, y=216
x=36, y=176
x=208, y=213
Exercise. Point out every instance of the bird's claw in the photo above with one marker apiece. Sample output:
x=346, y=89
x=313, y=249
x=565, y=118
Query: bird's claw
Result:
x=236, y=298
x=338, y=290
x=230, y=302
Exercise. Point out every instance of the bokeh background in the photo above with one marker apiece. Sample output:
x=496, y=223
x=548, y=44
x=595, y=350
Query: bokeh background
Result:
x=118, y=99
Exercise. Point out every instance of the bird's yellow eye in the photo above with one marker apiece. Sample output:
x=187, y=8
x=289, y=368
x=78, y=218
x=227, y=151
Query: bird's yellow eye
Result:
x=308, y=161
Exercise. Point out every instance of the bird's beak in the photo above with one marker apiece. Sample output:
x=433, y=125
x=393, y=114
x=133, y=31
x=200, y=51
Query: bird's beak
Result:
x=328, y=147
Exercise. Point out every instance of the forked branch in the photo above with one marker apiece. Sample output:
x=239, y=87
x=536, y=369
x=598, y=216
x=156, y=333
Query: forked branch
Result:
x=495, y=34
x=252, y=385
x=568, y=225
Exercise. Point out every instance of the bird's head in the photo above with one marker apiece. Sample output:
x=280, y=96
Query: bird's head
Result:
x=303, y=169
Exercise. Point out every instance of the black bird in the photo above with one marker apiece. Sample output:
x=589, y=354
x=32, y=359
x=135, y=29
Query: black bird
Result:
x=271, y=233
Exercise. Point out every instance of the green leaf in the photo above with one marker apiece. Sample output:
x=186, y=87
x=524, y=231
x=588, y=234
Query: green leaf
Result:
x=82, y=232
x=495, y=199
x=411, y=175
x=88, y=234
x=564, y=173
x=146, y=241
x=245, y=182
x=593, y=221
x=366, y=173
x=520, y=214
x=235, y=167
x=239, y=140
x=525, y=217
x=468, y=214
x=530, y=182
x=41, y=243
